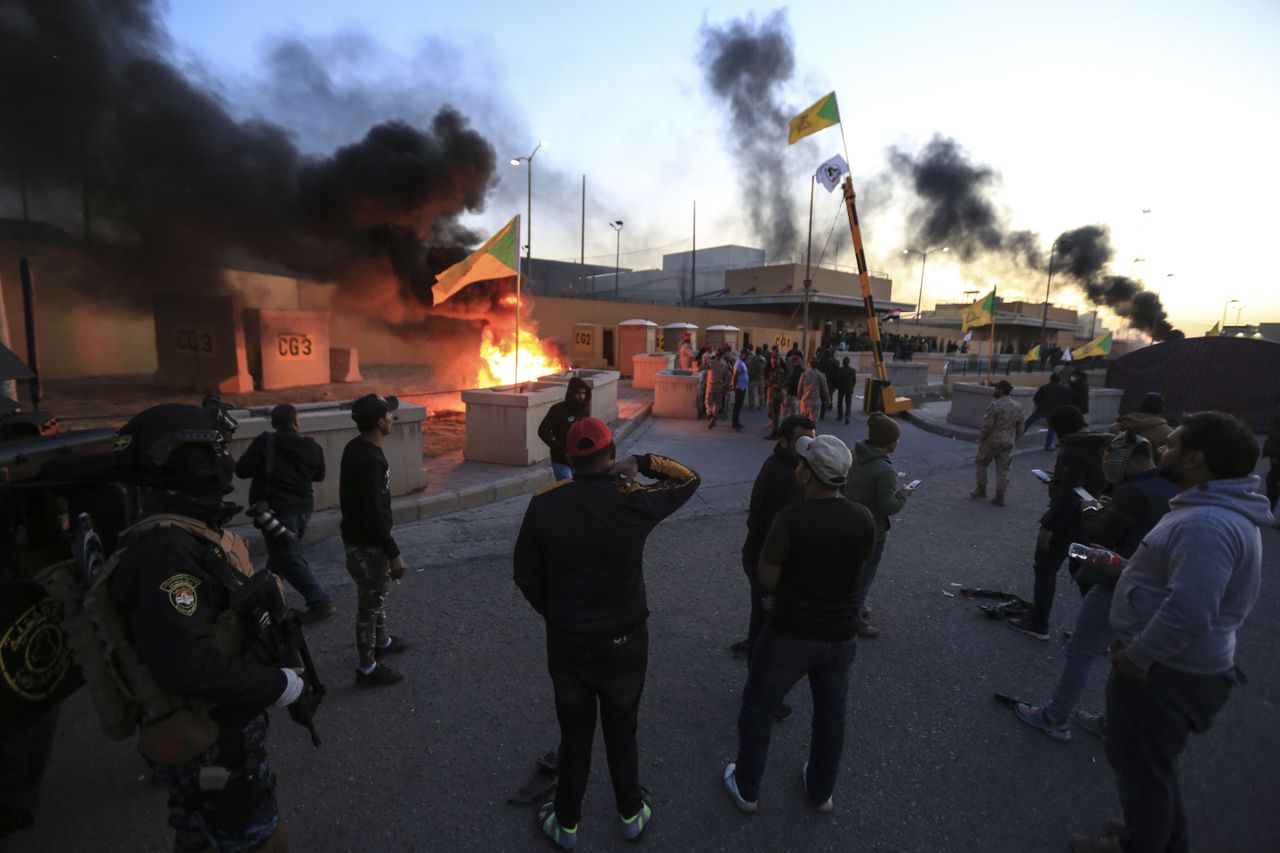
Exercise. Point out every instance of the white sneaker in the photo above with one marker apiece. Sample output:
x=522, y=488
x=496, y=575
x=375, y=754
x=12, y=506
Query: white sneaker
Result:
x=731, y=785
x=804, y=783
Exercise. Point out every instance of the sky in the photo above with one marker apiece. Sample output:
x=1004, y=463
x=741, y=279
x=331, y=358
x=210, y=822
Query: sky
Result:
x=1160, y=120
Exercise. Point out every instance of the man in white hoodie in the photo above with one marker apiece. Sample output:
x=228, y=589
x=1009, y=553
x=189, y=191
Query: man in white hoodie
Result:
x=1177, y=607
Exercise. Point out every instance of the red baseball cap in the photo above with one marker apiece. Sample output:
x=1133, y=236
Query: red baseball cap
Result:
x=586, y=436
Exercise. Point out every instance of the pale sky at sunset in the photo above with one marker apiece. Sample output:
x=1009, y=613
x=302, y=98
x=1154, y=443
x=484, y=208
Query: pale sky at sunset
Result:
x=1091, y=112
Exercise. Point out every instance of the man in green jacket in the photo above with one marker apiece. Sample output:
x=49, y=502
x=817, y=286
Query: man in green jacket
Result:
x=875, y=484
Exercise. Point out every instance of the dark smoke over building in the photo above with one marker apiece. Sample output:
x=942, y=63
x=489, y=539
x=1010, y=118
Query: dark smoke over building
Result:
x=746, y=64
x=101, y=127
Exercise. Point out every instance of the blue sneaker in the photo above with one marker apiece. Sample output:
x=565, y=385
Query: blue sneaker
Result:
x=634, y=825
x=731, y=785
x=1035, y=717
x=564, y=837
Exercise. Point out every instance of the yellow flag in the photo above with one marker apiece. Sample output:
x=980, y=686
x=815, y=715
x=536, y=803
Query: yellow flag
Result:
x=822, y=114
x=495, y=259
x=1034, y=355
x=979, y=313
x=1100, y=345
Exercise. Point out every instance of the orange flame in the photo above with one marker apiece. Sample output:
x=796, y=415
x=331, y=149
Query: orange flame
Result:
x=499, y=360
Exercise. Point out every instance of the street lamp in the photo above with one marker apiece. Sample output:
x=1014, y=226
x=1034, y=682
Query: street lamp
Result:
x=924, y=259
x=1227, y=305
x=616, y=225
x=528, y=219
x=1044, y=317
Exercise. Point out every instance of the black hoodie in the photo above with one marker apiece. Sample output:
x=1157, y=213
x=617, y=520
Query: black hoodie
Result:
x=554, y=428
x=296, y=462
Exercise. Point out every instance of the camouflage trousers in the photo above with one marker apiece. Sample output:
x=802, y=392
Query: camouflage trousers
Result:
x=371, y=570
x=717, y=403
x=225, y=800
x=1002, y=454
x=777, y=398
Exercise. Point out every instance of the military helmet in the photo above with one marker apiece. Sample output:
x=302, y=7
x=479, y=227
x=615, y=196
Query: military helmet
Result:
x=178, y=446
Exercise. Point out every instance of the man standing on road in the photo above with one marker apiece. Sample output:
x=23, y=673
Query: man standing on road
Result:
x=741, y=381
x=813, y=393
x=559, y=418
x=875, y=485
x=719, y=376
x=1048, y=397
x=776, y=385
x=579, y=561
x=373, y=558
x=1001, y=429
x=846, y=382
x=830, y=367
x=811, y=560
x=283, y=465
x=1178, y=606
x=755, y=369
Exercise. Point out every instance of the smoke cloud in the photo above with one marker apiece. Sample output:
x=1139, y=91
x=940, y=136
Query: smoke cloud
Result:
x=747, y=64
x=100, y=123
x=1084, y=254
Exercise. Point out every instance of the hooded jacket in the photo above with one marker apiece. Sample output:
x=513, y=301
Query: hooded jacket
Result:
x=1154, y=428
x=1050, y=396
x=1079, y=465
x=1188, y=588
x=874, y=483
x=296, y=462
x=554, y=428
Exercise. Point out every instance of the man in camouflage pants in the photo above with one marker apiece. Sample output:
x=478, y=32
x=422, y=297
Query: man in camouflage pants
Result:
x=776, y=385
x=373, y=558
x=719, y=376
x=1001, y=429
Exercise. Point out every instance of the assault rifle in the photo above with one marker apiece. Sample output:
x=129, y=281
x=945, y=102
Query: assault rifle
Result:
x=280, y=641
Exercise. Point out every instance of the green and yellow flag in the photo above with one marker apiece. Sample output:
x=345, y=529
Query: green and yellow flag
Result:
x=1034, y=355
x=822, y=114
x=495, y=259
x=1100, y=345
x=979, y=313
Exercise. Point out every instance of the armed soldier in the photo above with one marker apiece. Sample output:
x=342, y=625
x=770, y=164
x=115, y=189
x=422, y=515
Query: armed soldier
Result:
x=173, y=588
x=1001, y=428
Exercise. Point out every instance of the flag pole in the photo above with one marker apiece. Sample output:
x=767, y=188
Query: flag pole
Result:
x=808, y=279
x=519, y=282
x=991, y=365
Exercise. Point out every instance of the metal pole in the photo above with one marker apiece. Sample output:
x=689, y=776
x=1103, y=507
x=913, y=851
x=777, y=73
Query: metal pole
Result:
x=693, y=276
x=528, y=246
x=582, y=248
x=8, y=387
x=617, y=261
x=808, y=279
x=29, y=319
x=1044, y=317
x=516, y=379
x=924, y=259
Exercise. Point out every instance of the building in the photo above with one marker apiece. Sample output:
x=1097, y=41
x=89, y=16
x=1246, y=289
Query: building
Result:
x=1017, y=327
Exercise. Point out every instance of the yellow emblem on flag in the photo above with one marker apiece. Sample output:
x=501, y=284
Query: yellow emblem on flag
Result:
x=979, y=313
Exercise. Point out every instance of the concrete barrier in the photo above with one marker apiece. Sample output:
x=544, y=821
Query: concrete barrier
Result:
x=969, y=402
x=331, y=426
x=1104, y=407
x=603, y=385
x=675, y=394
x=502, y=423
x=646, y=365
x=907, y=374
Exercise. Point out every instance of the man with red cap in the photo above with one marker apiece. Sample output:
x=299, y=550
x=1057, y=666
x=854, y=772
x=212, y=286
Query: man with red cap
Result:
x=579, y=561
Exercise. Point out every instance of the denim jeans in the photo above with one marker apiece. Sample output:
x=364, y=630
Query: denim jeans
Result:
x=610, y=672
x=778, y=663
x=1089, y=641
x=1049, y=434
x=869, y=571
x=750, y=569
x=561, y=471
x=285, y=559
x=1148, y=721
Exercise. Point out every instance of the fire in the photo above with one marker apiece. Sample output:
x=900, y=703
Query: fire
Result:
x=499, y=360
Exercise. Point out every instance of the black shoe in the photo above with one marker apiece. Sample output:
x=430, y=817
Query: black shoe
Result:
x=782, y=713
x=712, y=425
x=1024, y=625
x=737, y=428
x=739, y=647
x=396, y=646
x=319, y=613
x=381, y=676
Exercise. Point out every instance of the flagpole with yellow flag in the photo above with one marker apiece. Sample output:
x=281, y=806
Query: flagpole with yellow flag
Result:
x=519, y=271
x=1100, y=345
x=991, y=366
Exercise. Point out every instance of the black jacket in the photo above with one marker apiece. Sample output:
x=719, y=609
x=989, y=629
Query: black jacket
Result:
x=169, y=590
x=1136, y=505
x=554, y=428
x=1079, y=464
x=846, y=379
x=1079, y=391
x=579, y=556
x=1050, y=396
x=364, y=494
x=775, y=489
x=297, y=462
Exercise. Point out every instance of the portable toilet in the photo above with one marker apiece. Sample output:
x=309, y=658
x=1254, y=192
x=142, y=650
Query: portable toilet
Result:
x=717, y=335
x=635, y=337
x=673, y=334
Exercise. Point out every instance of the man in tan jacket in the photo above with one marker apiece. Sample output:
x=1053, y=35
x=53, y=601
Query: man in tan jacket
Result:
x=1147, y=421
x=1001, y=429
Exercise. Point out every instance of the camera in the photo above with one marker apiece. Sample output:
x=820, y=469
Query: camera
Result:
x=265, y=519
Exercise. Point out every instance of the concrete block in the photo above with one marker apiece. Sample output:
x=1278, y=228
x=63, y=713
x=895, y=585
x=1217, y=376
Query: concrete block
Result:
x=603, y=385
x=1104, y=407
x=635, y=337
x=330, y=424
x=200, y=343
x=502, y=423
x=969, y=402
x=675, y=394
x=647, y=365
x=906, y=374
x=588, y=345
x=344, y=364
x=287, y=349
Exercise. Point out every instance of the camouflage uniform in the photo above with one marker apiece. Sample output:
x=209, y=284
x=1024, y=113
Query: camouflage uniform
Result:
x=1001, y=429
x=777, y=388
x=813, y=394
x=719, y=377
x=371, y=570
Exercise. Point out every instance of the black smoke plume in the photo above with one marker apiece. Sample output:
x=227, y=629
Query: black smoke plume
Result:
x=100, y=126
x=1083, y=255
x=747, y=64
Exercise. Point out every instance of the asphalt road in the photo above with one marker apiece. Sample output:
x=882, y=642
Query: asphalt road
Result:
x=931, y=762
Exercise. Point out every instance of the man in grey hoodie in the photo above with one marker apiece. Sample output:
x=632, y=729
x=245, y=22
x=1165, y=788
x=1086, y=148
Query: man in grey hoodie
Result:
x=1177, y=607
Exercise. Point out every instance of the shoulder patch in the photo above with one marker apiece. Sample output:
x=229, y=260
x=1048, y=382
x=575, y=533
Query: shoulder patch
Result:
x=182, y=592
x=552, y=486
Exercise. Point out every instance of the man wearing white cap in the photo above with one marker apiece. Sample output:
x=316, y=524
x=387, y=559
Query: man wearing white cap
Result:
x=811, y=561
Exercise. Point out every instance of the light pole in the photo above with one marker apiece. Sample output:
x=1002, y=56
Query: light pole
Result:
x=528, y=219
x=1044, y=317
x=616, y=225
x=1240, y=308
x=1227, y=305
x=924, y=259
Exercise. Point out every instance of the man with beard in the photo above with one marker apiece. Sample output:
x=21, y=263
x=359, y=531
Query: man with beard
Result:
x=559, y=418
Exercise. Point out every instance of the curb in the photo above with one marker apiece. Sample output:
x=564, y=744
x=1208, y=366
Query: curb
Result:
x=408, y=509
x=938, y=429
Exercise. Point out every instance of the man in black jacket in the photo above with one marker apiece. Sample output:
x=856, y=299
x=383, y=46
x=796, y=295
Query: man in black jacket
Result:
x=283, y=465
x=1079, y=465
x=559, y=418
x=373, y=558
x=846, y=382
x=1049, y=396
x=579, y=561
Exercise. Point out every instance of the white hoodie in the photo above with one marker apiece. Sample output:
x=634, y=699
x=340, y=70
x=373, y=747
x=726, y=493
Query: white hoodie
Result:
x=1188, y=588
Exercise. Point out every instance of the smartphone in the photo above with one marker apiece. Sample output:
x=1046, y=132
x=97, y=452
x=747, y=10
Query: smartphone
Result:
x=1041, y=475
x=914, y=484
x=1084, y=495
